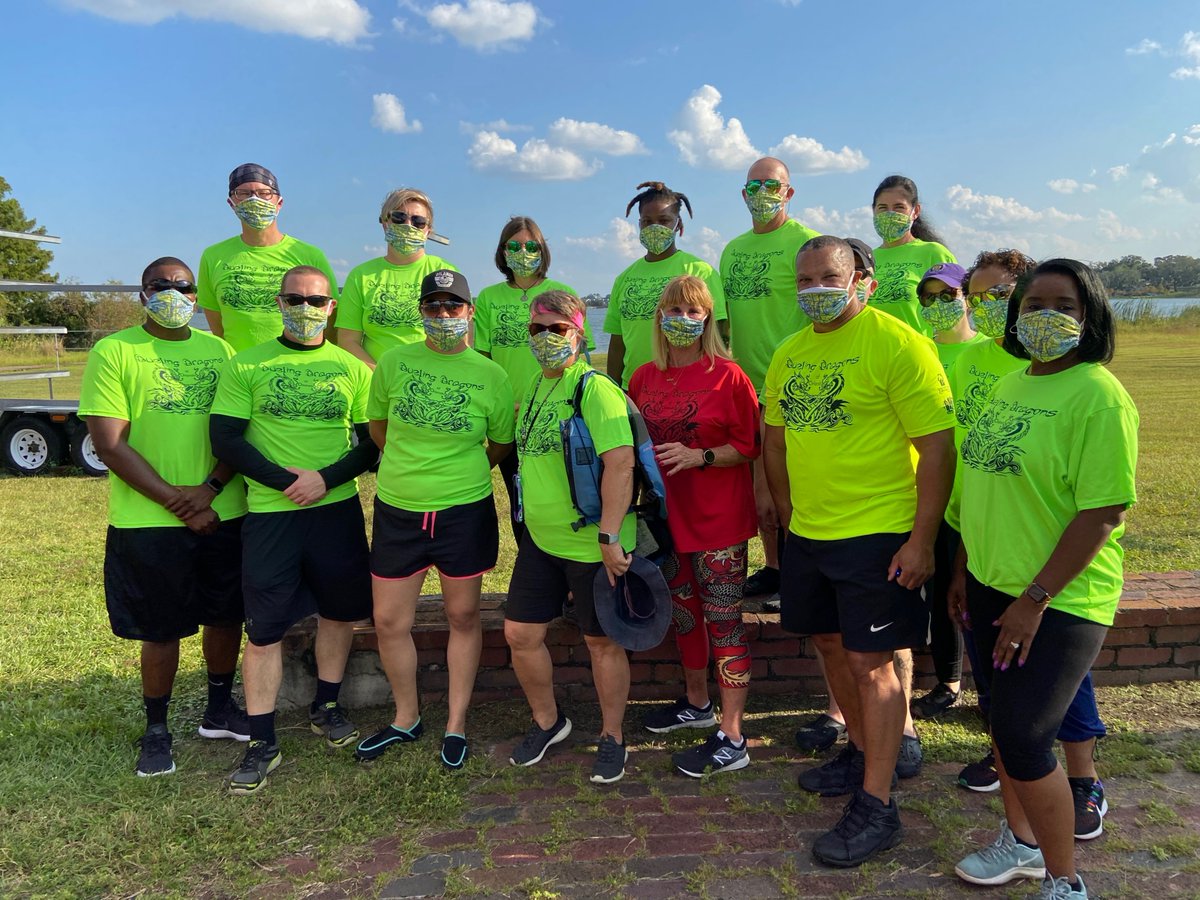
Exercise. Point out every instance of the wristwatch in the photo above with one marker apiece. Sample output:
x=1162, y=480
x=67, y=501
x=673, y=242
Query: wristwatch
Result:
x=605, y=538
x=1038, y=594
x=710, y=458
x=214, y=484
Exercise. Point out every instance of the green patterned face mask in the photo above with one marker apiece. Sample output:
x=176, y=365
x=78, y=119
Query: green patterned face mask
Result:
x=258, y=214
x=305, y=322
x=445, y=333
x=1048, y=334
x=404, y=239
x=656, y=238
x=169, y=308
x=943, y=315
x=764, y=205
x=989, y=310
x=891, y=226
x=523, y=264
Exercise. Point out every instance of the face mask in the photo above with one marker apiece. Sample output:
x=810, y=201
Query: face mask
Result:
x=891, y=226
x=860, y=289
x=764, y=206
x=657, y=238
x=991, y=316
x=258, y=214
x=1048, y=334
x=681, y=331
x=169, y=308
x=404, y=239
x=551, y=350
x=305, y=322
x=523, y=264
x=446, y=334
x=823, y=304
x=943, y=315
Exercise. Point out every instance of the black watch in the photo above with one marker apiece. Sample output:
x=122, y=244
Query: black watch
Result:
x=605, y=538
x=710, y=458
x=215, y=485
x=1038, y=594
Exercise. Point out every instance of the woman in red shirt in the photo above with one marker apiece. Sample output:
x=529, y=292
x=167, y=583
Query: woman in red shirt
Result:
x=702, y=413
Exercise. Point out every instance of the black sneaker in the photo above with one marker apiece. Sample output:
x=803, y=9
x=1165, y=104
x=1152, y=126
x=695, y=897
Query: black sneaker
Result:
x=1090, y=807
x=230, y=722
x=936, y=702
x=329, y=720
x=764, y=581
x=156, y=757
x=772, y=604
x=819, y=734
x=866, y=828
x=259, y=761
x=980, y=776
x=840, y=776
x=911, y=758
x=610, y=761
x=455, y=751
x=387, y=737
x=680, y=714
x=537, y=741
x=717, y=754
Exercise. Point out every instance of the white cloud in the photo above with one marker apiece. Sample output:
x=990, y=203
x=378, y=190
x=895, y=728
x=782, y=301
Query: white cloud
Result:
x=536, y=160
x=1110, y=227
x=806, y=156
x=1170, y=169
x=375, y=249
x=1116, y=173
x=389, y=115
x=852, y=223
x=621, y=239
x=1189, y=48
x=707, y=244
x=1069, y=186
x=1004, y=210
x=705, y=139
x=399, y=25
x=1144, y=46
x=486, y=24
x=340, y=21
x=501, y=126
x=595, y=137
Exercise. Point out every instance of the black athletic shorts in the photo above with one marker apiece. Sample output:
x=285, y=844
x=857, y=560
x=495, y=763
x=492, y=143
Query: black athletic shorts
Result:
x=462, y=541
x=162, y=584
x=304, y=561
x=832, y=587
x=539, y=588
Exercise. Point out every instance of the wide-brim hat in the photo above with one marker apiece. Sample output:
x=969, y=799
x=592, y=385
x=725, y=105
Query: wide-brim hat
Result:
x=636, y=613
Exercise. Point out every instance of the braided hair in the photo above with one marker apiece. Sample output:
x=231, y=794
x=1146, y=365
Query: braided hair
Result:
x=656, y=190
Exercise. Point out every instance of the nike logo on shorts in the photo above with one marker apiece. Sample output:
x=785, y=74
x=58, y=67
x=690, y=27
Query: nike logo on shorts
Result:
x=875, y=628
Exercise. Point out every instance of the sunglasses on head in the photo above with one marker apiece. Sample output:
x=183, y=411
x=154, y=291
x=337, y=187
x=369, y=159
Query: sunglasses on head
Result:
x=995, y=292
x=451, y=306
x=562, y=329
x=399, y=217
x=167, y=284
x=311, y=299
x=754, y=185
x=517, y=246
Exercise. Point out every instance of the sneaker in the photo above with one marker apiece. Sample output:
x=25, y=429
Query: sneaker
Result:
x=455, y=751
x=329, y=720
x=1090, y=807
x=981, y=776
x=772, y=604
x=840, y=776
x=819, y=734
x=156, y=757
x=936, y=702
x=537, y=741
x=385, y=739
x=230, y=722
x=259, y=761
x=764, y=581
x=866, y=828
x=610, y=761
x=680, y=714
x=1060, y=889
x=718, y=753
x=1001, y=862
x=911, y=758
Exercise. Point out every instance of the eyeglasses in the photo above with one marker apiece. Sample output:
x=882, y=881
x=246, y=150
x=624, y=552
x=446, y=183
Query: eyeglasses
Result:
x=995, y=292
x=942, y=296
x=246, y=193
x=562, y=329
x=398, y=217
x=453, y=307
x=517, y=246
x=754, y=185
x=166, y=284
x=299, y=299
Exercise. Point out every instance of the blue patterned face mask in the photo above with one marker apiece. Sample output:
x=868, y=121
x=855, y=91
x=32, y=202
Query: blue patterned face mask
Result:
x=404, y=239
x=823, y=304
x=305, y=322
x=656, y=238
x=764, y=205
x=259, y=214
x=891, y=226
x=1048, y=334
x=860, y=289
x=522, y=264
x=551, y=350
x=682, y=331
x=169, y=308
x=943, y=315
x=445, y=333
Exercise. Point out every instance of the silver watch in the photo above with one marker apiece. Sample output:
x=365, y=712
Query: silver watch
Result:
x=605, y=538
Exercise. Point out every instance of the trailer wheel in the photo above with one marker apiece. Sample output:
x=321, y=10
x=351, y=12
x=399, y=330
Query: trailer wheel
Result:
x=84, y=455
x=29, y=445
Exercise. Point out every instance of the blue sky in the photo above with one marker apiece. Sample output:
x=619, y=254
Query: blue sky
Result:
x=1064, y=128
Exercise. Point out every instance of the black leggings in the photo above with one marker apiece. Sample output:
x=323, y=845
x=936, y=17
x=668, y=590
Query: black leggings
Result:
x=945, y=640
x=1029, y=702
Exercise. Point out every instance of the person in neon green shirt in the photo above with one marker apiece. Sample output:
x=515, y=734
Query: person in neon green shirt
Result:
x=379, y=308
x=636, y=291
x=910, y=248
x=1048, y=473
x=442, y=415
x=553, y=556
x=172, y=560
x=859, y=450
x=239, y=277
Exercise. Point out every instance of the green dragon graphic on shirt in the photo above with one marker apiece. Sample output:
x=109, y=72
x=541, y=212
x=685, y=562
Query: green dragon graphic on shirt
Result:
x=183, y=387
x=749, y=276
x=993, y=443
x=511, y=326
x=426, y=404
x=250, y=288
x=811, y=405
x=299, y=393
x=641, y=296
x=393, y=305
x=895, y=285
x=543, y=435
x=975, y=396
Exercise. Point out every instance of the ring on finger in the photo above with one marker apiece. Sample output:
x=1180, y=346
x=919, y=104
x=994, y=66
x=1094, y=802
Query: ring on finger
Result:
x=1014, y=645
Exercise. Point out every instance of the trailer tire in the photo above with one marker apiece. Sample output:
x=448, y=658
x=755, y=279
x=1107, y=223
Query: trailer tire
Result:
x=30, y=445
x=84, y=455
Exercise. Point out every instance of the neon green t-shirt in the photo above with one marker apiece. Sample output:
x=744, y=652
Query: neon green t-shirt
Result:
x=502, y=329
x=1046, y=447
x=164, y=390
x=973, y=377
x=850, y=400
x=380, y=300
x=635, y=296
x=242, y=282
x=545, y=491
x=759, y=275
x=898, y=271
x=949, y=353
x=439, y=408
x=302, y=406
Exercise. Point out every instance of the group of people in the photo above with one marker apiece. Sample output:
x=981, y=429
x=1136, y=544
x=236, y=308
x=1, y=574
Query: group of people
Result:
x=965, y=489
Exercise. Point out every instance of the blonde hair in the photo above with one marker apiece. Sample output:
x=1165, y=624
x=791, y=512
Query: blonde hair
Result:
x=399, y=197
x=688, y=290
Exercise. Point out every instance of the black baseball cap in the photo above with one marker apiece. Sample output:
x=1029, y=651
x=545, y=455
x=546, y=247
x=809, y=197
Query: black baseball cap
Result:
x=864, y=259
x=446, y=281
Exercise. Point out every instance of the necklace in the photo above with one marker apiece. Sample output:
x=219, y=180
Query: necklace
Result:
x=532, y=413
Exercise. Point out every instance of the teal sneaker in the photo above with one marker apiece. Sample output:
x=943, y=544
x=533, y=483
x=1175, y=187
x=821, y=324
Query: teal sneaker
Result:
x=1060, y=889
x=1002, y=861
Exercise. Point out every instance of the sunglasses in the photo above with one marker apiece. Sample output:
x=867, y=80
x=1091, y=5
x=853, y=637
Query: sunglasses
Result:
x=242, y=194
x=451, y=306
x=995, y=292
x=299, y=299
x=517, y=246
x=166, y=284
x=756, y=184
x=562, y=329
x=942, y=296
x=397, y=217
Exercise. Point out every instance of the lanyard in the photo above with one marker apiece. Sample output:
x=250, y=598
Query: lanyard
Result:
x=531, y=413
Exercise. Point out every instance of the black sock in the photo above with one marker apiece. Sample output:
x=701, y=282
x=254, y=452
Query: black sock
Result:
x=262, y=728
x=327, y=692
x=156, y=709
x=1025, y=843
x=220, y=687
